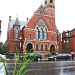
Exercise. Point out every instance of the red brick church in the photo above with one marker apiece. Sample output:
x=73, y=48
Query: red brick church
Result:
x=39, y=34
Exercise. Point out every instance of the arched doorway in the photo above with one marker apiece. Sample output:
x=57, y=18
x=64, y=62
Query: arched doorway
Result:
x=29, y=48
x=52, y=49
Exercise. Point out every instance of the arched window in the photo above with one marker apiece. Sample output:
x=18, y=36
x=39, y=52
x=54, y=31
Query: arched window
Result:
x=45, y=34
x=36, y=47
x=41, y=34
x=37, y=33
x=41, y=47
x=16, y=32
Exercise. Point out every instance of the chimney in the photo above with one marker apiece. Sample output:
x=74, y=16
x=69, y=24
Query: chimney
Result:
x=27, y=19
x=9, y=18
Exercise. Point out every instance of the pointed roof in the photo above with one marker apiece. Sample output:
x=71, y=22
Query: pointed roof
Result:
x=57, y=31
x=40, y=9
x=45, y=10
x=17, y=21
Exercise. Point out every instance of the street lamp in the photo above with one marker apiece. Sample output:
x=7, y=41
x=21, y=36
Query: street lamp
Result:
x=20, y=43
x=0, y=34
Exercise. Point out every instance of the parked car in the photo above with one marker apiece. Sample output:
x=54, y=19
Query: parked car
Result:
x=63, y=56
x=10, y=56
x=52, y=58
x=28, y=56
x=60, y=56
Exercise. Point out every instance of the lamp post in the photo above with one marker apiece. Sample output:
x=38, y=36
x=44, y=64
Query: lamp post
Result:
x=0, y=34
x=20, y=43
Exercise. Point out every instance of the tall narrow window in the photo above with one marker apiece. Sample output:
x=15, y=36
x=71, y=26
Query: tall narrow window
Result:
x=36, y=47
x=37, y=33
x=41, y=47
x=52, y=24
x=16, y=33
x=52, y=38
x=30, y=36
x=45, y=34
x=46, y=47
x=41, y=34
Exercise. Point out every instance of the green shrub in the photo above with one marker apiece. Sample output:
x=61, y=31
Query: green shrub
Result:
x=48, y=55
x=22, y=68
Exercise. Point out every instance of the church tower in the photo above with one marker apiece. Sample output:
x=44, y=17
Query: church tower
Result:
x=50, y=8
x=40, y=31
x=48, y=1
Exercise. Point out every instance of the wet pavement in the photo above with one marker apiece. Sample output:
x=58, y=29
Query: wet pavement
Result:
x=52, y=68
x=43, y=68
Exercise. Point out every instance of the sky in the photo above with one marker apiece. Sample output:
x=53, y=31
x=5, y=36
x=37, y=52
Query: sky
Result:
x=64, y=13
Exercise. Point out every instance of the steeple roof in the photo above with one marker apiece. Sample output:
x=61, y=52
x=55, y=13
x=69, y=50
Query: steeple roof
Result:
x=17, y=21
x=40, y=9
x=47, y=9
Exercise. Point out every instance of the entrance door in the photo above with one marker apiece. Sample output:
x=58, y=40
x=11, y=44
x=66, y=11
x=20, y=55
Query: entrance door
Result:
x=29, y=47
x=52, y=49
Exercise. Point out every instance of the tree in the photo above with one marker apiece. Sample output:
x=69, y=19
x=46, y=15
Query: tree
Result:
x=1, y=48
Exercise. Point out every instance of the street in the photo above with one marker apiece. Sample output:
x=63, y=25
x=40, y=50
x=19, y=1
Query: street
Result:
x=44, y=68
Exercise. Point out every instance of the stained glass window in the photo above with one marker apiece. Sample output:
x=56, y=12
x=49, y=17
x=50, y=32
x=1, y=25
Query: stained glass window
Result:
x=41, y=34
x=45, y=34
x=37, y=33
x=16, y=32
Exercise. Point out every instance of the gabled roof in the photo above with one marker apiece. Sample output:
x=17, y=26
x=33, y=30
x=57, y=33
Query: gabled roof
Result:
x=21, y=23
x=17, y=22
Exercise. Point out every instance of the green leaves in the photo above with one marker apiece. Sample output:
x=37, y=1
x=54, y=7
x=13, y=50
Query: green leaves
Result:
x=23, y=65
x=2, y=60
x=25, y=62
x=1, y=48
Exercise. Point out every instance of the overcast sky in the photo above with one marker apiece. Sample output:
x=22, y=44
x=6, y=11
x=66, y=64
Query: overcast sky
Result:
x=64, y=13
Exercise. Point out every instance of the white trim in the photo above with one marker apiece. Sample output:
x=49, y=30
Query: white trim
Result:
x=38, y=46
x=43, y=46
x=31, y=43
x=28, y=29
x=52, y=44
x=45, y=28
x=40, y=28
x=52, y=31
x=37, y=27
